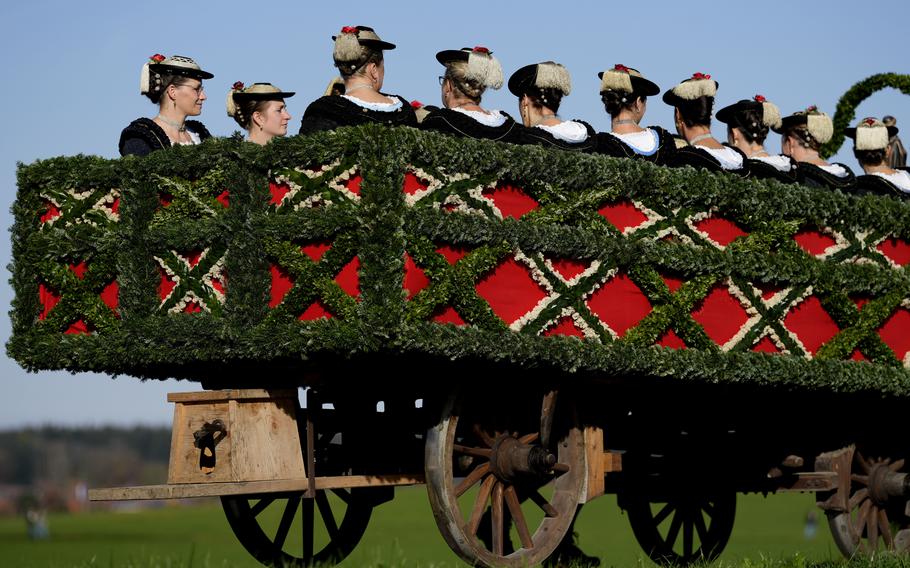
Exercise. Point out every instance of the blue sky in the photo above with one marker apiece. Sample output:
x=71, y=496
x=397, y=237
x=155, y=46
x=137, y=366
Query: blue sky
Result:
x=72, y=75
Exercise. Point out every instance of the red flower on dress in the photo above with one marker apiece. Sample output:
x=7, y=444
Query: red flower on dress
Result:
x=416, y=104
x=480, y=49
x=349, y=30
x=620, y=67
x=760, y=99
x=157, y=58
x=700, y=76
x=237, y=86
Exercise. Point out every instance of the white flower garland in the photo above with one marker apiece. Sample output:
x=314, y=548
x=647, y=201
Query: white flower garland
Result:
x=337, y=184
x=103, y=206
x=216, y=272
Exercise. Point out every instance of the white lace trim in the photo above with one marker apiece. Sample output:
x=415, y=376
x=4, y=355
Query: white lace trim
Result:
x=567, y=131
x=381, y=107
x=835, y=169
x=781, y=163
x=729, y=159
x=899, y=178
x=644, y=141
x=489, y=118
x=194, y=139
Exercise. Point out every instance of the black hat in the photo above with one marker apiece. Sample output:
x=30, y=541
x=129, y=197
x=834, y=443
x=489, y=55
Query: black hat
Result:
x=544, y=75
x=627, y=80
x=256, y=91
x=871, y=134
x=770, y=115
x=697, y=86
x=483, y=68
x=818, y=124
x=159, y=65
x=365, y=36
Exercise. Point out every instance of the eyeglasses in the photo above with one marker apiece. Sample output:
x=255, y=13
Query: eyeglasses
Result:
x=442, y=80
x=198, y=89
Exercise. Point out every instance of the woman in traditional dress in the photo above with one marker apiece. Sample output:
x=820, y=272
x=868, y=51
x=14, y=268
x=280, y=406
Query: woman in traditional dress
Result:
x=260, y=110
x=872, y=148
x=175, y=85
x=624, y=92
x=748, y=122
x=469, y=73
x=802, y=135
x=693, y=100
x=540, y=89
x=358, y=55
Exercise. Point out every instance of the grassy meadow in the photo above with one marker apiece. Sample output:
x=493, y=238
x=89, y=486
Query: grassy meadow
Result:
x=769, y=532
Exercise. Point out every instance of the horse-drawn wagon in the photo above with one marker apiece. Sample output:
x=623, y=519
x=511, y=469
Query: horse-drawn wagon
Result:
x=520, y=330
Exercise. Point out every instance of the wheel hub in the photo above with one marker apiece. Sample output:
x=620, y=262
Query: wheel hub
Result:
x=511, y=458
x=885, y=484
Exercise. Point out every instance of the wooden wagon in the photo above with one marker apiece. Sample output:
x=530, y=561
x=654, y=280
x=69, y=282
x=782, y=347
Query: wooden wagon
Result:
x=520, y=330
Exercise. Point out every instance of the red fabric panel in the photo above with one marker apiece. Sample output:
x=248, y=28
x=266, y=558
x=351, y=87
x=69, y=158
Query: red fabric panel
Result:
x=415, y=279
x=278, y=191
x=165, y=285
x=413, y=184
x=448, y=315
x=193, y=257
x=219, y=283
x=52, y=212
x=766, y=346
x=48, y=299
x=316, y=311
x=860, y=301
x=670, y=339
x=767, y=290
x=814, y=242
x=353, y=183
x=811, y=323
x=858, y=356
x=316, y=250
x=78, y=328
x=895, y=249
x=511, y=201
x=620, y=304
x=510, y=291
x=165, y=199
x=452, y=253
x=349, y=278
x=115, y=206
x=672, y=282
x=568, y=268
x=720, y=314
x=623, y=215
x=281, y=285
x=720, y=230
x=79, y=269
x=224, y=198
x=565, y=326
x=110, y=295
x=895, y=332
x=192, y=308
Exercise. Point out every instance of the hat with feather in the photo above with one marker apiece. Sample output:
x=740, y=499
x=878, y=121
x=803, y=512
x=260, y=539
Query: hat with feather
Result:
x=817, y=124
x=544, y=75
x=626, y=80
x=157, y=66
x=871, y=134
x=482, y=67
x=697, y=86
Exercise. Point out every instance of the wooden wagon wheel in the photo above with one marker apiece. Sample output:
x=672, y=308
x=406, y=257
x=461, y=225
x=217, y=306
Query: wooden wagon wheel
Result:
x=504, y=481
x=682, y=527
x=328, y=526
x=875, y=518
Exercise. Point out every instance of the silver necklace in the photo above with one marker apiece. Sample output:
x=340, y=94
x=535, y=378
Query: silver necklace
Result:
x=360, y=86
x=178, y=126
x=625, y=121
x=700, y=137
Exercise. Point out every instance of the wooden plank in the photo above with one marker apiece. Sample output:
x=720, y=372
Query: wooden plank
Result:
x=612, y=462
x=184, y=464
x=265, y=440
x=189, y=490
x=809, y=481
x=594, y=451
x=234, y=394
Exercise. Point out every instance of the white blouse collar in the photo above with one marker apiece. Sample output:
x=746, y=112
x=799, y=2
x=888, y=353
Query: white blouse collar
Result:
x=381, y=107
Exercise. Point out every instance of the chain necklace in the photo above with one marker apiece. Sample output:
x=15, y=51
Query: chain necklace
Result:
x=360, y=86
x=625, y=121
x=178, y=126
x=699, y=138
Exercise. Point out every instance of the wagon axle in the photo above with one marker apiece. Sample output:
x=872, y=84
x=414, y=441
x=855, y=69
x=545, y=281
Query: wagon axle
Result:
x=510, y=458
x=885, y=484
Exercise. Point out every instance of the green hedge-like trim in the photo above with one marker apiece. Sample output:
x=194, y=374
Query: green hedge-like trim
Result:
x=846, y=106
x=380, y=229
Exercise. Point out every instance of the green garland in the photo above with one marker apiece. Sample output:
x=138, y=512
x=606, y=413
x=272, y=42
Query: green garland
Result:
x=377, y=224
x=846, y=106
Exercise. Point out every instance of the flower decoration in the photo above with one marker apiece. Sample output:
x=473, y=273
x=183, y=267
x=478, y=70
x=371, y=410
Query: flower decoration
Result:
x=416, y=104
x=620, y=67
x=157, y=58
x=349, y=30
x=480, y=49
x=700, y=76
x=760, y=98
x=870, y=121
x=812, y=108
x=237, y=86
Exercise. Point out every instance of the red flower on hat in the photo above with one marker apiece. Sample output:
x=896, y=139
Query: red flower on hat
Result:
x=620, y=67
x=700, y=76
x=812, y=108
x=760, y=98
x=237, y=86
x=157, y=58
x=480, y=49
x=416, y=104
x=349, y=30
x=870, y=121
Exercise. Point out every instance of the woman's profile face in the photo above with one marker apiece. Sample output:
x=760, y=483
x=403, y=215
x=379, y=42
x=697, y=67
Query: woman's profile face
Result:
x=274, y=118
x=188, y=96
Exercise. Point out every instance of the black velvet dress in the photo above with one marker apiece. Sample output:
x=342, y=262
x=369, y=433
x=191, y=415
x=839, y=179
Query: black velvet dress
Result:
x=611, y=145
x=144, y=136
x=759, y=169
x=331, y=112
x=539, y=136
x=701, y=159
x=877, y=185
x=457, y=123
x=814, y=176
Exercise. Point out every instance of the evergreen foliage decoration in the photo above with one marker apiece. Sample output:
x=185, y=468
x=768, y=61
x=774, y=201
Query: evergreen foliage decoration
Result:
x=197, y=262
x=846, y=106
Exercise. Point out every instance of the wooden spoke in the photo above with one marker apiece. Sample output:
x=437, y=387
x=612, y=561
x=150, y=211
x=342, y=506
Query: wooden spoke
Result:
x=709, y=508
x=700, y=528
x=864, y=479
x=471, y=479
x=857, y=498
x=545, y=505
x=483, y=436
x=261, y=505
x=529, y=438
x=290, y=510
x=861, y=517
x=885, y=527
x=307, y=516
x=480, y=504
x=325, y=511
x=673, y=532
x=472, y=451
x=548, y=409
x=863, y=463
x=688, y=538
x=521, y=525
x=498, y=521
x=343, y=494
x=897, y=466
x=872, y=528
x=662, y=515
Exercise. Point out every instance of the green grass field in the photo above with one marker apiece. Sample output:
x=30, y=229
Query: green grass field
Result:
x=768, y=532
